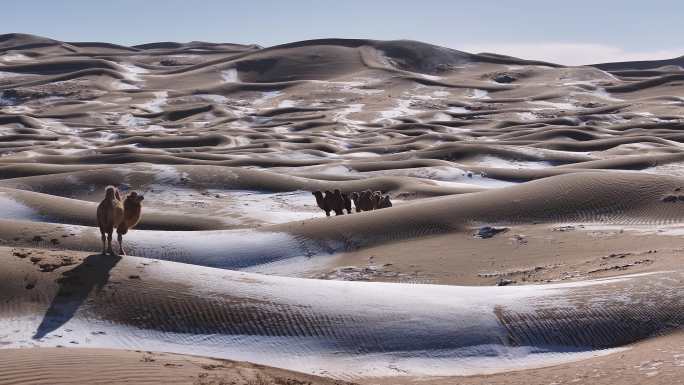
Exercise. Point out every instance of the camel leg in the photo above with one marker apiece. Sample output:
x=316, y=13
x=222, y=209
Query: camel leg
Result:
x=119, y=237
x=109, y=243
x=104, y=239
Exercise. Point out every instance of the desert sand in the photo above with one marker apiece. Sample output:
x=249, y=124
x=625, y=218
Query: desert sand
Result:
x=234, y=274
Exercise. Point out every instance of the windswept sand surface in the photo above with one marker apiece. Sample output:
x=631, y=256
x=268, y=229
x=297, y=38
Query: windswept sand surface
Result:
x=582, y=167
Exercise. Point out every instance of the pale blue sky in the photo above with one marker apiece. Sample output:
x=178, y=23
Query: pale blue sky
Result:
x=572, y=32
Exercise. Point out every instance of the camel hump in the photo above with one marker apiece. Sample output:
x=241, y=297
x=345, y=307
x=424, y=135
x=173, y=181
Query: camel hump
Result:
x=118, y=214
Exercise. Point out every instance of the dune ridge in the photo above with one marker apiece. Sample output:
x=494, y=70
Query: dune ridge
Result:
x=501, y=171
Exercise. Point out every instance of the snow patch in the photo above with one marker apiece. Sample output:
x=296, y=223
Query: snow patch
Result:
x=133, y=72
x=479, y=94
x=11, y=209
x=230, y=75
x=155, y=104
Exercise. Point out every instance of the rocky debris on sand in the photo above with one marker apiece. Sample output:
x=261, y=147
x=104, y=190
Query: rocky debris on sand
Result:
x=616, y=255
x=590, y=104
x=520, y=239
x=565, y=228
x=489, y=231
x=621, y=267
x=509, y=273
x=147, y=358
x=504, y=78
x=366, y=273
x=47, y=267
x=21, y=253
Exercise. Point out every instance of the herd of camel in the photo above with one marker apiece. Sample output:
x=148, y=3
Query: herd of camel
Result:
x=122, y=214
x=337, y=201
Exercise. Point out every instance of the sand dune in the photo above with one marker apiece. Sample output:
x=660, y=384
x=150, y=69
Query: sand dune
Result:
x=58, y=366
x=578, y=168
x=357, y=335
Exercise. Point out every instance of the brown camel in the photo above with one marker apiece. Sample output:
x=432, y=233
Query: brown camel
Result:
x=355, y=198
x=132, y=212
x=385, y=202
x=347, y=202
x=375, y=199
x=364, y=202
x=337, y=202
x=110, y=212
x=334, y=201
x=321, y=202
x=113, y=212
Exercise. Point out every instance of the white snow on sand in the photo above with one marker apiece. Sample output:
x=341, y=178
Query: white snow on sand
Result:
x=479, y=94
x=527, y=116
x=457, y=110
x=210, y=97
x=119, y=85
x=6, y=102
x=230, y=75
x=445, y=176
x=286, y=103
x=12, y=57
x=155, y=105
x=11, y=209
x=555, y=105
x=380, y=329
x=342, y=116
x=129, y=120
x=603, y=94
x=361, y=154
x=359, y=86
x=403, y=108
x=133, y=72
x=496, y=162
x=6, y=75
x=266, y=97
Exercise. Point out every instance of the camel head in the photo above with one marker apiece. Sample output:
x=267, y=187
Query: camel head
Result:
x=134, y=197
x=111, y=192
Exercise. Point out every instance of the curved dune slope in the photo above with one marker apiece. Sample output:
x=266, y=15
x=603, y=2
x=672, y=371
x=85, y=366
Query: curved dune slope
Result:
x=589, y=198
x=370, y=328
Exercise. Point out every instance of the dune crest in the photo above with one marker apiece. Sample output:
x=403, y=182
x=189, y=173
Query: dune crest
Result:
x=248, y=156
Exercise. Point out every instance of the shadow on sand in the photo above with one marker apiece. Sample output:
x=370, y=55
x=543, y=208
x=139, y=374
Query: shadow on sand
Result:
x=74, y=287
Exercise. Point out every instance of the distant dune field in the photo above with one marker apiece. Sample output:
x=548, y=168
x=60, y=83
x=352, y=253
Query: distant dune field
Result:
x=535, y=235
